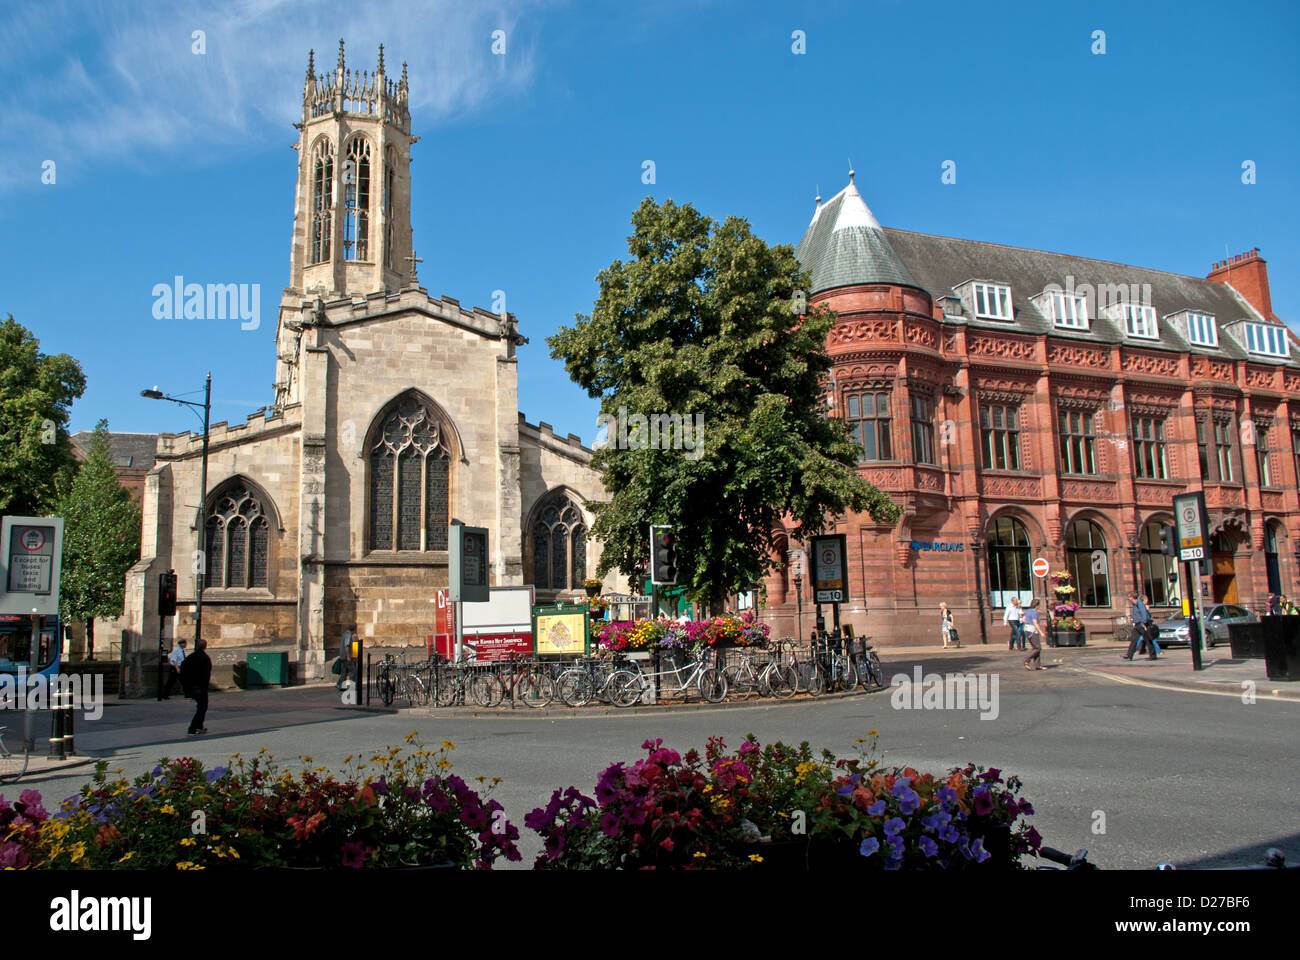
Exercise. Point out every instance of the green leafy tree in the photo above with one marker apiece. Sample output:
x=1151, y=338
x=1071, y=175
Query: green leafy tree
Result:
x=101, y=539
x=708, y=319
x=36, y=394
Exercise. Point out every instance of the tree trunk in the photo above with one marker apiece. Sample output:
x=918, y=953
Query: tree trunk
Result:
x=90, y=639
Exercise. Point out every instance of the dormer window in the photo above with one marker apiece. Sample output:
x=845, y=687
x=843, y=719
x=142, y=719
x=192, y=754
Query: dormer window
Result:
x=1201, y=330
x=992, y=301
x=1067, y=310
x=1266, y=339
x=1139, y=320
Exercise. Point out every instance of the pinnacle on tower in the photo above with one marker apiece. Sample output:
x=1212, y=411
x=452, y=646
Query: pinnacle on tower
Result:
x=403, y=84
x=381, y=59
x=311, y=65
x=341, y=68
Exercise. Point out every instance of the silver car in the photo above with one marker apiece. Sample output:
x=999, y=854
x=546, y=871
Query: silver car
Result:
x=1214, y=625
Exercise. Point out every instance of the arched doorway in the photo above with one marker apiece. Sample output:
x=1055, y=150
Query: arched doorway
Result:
x=1009, y=572
x=1223, y=587
x=1088, y=562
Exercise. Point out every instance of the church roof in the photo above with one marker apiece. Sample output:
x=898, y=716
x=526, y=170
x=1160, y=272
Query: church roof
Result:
x=128, y=450
x=844, y=245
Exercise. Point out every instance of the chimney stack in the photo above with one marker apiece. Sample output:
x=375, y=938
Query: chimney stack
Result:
x=1248, y=275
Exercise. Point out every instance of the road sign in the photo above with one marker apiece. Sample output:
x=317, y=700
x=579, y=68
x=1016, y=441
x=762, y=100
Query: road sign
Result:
x=468, y=563
x=1040, y=567
x=31, y=557
x=1193, y=532
x=829, y=571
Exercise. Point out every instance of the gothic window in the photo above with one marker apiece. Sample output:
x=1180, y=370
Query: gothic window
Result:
x=1078, y=444
x=1266, y=478
x=237, y=541
x=1149, y=448
x=922, y=429
x=356, y=200
x=390, y=166
x=322, y=200
x=409, y=481
x=559, y=545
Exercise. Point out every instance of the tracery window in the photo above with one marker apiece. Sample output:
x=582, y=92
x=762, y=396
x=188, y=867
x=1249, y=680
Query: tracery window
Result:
x=356, y=204
x=409, y=481
x=322, y=202
x=237, y=540
x=559, y=546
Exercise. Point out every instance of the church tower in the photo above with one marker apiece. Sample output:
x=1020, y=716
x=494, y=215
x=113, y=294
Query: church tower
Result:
x=352, y=214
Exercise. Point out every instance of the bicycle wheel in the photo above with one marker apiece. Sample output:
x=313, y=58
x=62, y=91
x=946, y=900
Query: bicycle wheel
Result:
x=535, y=689
x=713, y=686
x=875, y=671
x=12, y=765
x=486, y=689
x=783, y=681
x=738, y=682
x=625, y=688
x=445, y=688
x=576, y=688
x=849, y=678
x=816, y=682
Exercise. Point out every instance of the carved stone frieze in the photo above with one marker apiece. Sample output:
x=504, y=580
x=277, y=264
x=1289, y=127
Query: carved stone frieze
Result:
x=1150, y=363
x=857, y=331
x=1208, y=368
x=1092, y=491
x=1012, y=488
x=1002, y=348
x=1260, y=377
x=1272, y=501
x=1077, y=355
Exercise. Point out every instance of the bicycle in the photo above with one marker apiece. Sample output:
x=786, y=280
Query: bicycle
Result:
x=452, y=680
x=591, y=678
x=772, y=679
x=12, y=765
x=387, y=680
x=527, y=681
x=711, y=682
x=868, y=663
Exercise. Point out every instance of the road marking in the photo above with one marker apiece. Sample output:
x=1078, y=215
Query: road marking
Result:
x=1235, y=694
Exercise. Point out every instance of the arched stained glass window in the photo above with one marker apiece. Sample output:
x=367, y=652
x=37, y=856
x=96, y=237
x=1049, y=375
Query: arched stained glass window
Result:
x=237, y=540
x=409, y=481
x=322, y=200
x=559, y=538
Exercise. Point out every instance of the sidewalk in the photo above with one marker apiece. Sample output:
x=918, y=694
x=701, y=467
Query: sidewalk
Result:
x=1173, y=668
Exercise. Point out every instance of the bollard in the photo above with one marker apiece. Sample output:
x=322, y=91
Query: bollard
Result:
x=56, y=721
x=69, y=724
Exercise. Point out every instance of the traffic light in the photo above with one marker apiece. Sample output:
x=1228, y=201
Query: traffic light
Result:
x=1168, y=541
x=663, y=556
x=167, y=594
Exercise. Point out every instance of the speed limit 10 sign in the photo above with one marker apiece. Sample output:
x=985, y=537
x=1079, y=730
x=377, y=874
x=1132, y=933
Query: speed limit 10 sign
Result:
x=829, y=571
x=1190, y=521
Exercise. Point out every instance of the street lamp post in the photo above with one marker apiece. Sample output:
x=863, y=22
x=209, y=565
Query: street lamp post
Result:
x=200, y=567
x=798, y=596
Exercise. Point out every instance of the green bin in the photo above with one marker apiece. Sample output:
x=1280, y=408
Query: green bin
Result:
x=268, y=669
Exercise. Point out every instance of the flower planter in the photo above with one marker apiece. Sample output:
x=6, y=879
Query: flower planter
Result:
x=593, y=590
x=1062, y=637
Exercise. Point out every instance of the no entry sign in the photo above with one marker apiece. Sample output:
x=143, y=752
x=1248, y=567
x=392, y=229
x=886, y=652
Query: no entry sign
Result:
x=1040, y=567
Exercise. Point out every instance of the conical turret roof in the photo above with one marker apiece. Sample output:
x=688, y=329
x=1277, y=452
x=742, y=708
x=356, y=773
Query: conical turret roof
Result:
x=844, y=245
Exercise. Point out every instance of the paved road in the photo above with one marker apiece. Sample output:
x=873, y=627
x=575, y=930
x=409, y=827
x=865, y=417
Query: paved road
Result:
x=1196, y=778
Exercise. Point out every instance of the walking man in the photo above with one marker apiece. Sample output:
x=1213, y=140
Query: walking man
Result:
x=1032, y=626
x=174, y=661
x=1013, y=617
x=196, y=671
x=1141, y=626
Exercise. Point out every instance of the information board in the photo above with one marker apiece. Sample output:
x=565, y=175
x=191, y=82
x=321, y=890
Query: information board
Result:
x=31, y=551
x=1190, y=520
x=829, y=569
x=561, y=629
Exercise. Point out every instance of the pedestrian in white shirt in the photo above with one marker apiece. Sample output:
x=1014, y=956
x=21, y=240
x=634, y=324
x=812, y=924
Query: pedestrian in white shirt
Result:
x=1014, y=616
x=174, y=661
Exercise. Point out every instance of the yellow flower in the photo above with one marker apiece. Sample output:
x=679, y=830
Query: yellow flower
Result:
x=448, y=745
x=872, y=733
x=129, y=855
x=188, y=842
x=410, y=737
x=166, y=808
x=444, y=763
x=756, y=858
x=188, y=865
x=699, y=855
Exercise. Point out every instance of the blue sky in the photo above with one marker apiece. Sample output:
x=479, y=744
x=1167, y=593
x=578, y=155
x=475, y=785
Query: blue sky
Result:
x=530, y=164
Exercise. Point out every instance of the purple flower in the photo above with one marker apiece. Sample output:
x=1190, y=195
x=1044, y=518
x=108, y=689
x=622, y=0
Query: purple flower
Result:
x=354, y=855
x=977, y=848
x=895, y=826
x=928, y=846
x=609, y=824
x=877, y=809
x=215, y=774
x=946, y=795
x=380, y=786
x=845, y=790
x=931, y=823
x=949, y=834
x=983, y=801
x=869, y=846
x=1034, y=838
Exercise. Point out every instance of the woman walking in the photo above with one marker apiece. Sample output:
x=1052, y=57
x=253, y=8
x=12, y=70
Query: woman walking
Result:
x=1030, y=624
x=948, y=630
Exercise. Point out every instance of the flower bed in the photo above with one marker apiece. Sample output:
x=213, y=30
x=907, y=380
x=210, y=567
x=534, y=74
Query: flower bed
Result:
x=729, y=810
x=394, y=811
x=622, y=636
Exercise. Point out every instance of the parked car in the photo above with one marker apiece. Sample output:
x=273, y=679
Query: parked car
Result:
x=1214, y=625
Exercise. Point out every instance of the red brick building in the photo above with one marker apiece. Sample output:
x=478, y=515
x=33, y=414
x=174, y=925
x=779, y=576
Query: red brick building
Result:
x=1021, y=404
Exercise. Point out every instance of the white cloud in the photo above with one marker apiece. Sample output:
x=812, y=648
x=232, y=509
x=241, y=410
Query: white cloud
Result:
x=120, y=80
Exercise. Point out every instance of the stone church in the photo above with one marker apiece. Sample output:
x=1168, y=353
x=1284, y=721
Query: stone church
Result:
x=395, y=412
